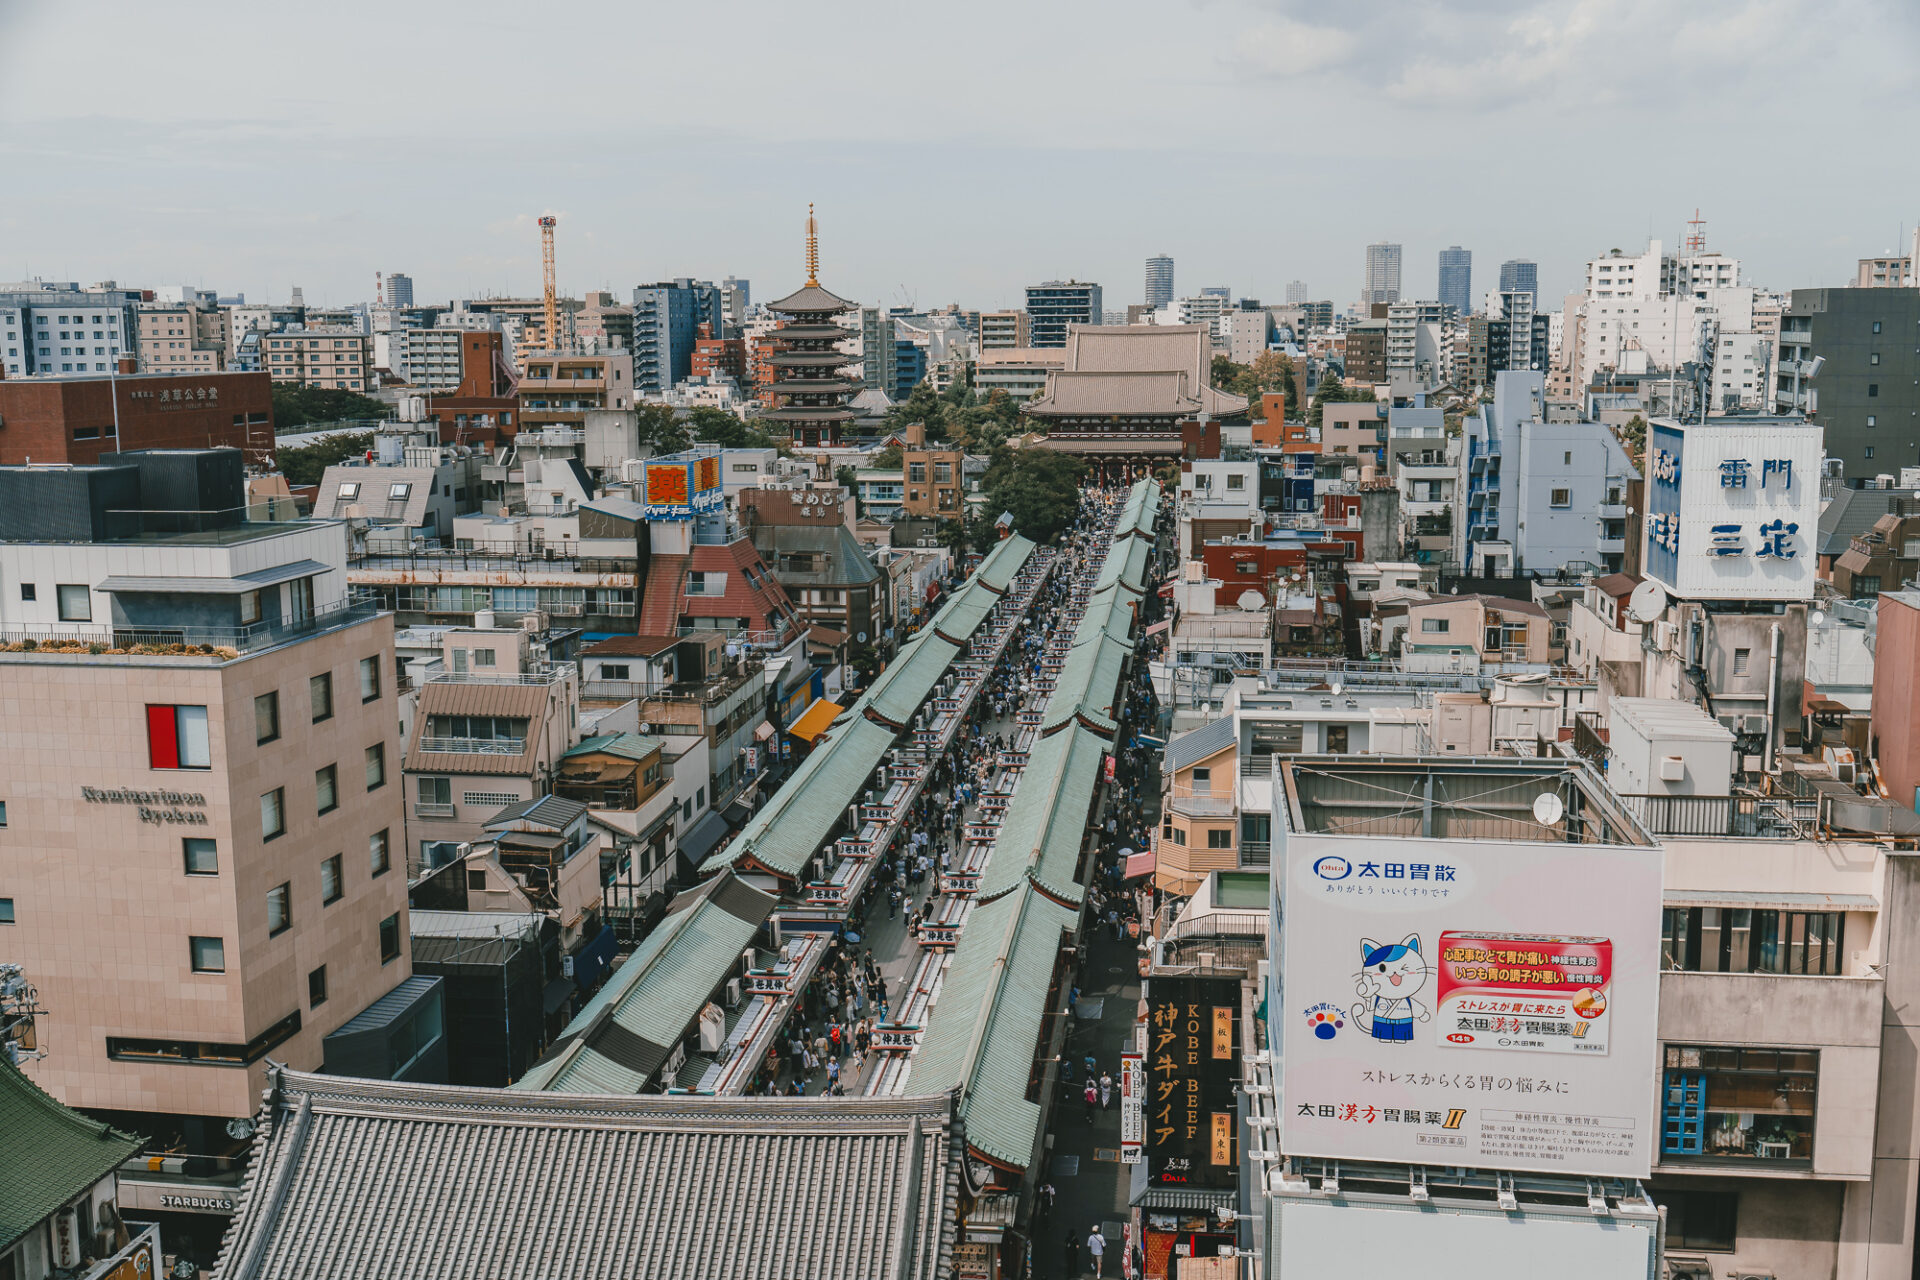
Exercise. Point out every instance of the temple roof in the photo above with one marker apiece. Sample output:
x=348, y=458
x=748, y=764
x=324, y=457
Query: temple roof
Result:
x=1134, y=348
x=1140, y=393
x=812, y=299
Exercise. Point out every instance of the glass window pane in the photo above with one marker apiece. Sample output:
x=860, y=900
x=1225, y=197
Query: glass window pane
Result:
x=266, y=717
x=191, y=727
x=202, y=857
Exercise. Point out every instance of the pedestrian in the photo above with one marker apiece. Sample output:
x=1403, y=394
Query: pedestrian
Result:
x=833, y=1072
x=1072, y=1252
x=1092, y=1096
x=1093, y=1067
x=1043, y=1201
x=1106, y=1091
x=1097, y=1250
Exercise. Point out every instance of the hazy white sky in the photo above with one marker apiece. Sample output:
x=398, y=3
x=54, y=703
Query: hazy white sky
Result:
x=956, y=152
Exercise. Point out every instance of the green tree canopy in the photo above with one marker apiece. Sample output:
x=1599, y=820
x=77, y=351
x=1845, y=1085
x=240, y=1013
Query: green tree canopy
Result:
x=1039, y=487
x=296, y=406
x=306, y=464
x=716, y=426
x=661, y=429
x=887, y=459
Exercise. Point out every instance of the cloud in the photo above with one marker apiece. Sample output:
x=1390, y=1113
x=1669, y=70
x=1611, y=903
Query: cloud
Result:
x=1281, y=47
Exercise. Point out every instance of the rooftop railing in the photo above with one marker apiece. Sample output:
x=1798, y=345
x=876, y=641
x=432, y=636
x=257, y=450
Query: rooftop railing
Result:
x=262, y=635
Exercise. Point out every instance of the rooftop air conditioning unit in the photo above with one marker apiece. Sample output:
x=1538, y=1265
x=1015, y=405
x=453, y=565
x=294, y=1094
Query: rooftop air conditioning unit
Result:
x=733, y=993
x=1753, y=724
x=713, y=1029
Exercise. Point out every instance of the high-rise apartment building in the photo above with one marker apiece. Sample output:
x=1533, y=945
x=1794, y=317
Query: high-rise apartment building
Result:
x=1456, y=279
x=1159, y=281
x=1383, y=275
x=879, y=351
x=48, y=327
x=399, y=289
x=1517, y=275
x=1052, y=306
x=736, y=295
x=330, y=357
x=181, y=337
x=1003, y=330
x=203, y=871
x=1850, y=361
x=1296, y=292
x=666, y=323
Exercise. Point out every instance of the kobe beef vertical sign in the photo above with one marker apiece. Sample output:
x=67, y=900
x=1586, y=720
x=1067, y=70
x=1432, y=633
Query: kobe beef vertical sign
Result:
x=1192, y=1061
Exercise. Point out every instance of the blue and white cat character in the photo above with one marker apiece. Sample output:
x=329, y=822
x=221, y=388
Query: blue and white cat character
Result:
x=1390, y=978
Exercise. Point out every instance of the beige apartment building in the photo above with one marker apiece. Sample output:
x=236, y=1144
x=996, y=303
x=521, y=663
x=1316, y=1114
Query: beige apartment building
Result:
x=181, y=339
x=333, y=359
x=200, y=814
x=1004, y=330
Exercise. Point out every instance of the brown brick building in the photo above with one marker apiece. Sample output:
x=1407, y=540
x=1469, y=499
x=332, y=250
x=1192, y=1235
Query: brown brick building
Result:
x=78, y=419
x=485, y=406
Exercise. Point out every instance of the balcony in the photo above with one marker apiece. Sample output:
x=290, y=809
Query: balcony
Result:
x=1723, y=817
x=1202, y=804
x=1613, y=511
x=424, y=809
x=176, y=641
x=475, y=746
x=553, y=673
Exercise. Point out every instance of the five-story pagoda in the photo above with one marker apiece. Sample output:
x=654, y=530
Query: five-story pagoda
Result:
x=810, y=384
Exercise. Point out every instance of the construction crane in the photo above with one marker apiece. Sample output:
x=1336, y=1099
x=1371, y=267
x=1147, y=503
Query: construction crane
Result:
x=552, y=297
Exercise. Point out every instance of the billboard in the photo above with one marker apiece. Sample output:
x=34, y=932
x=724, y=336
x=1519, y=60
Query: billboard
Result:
x=1470, y=1003
x=1733, y=509
x=1192, y=1061
x=679, y=485
x=1321, y=1238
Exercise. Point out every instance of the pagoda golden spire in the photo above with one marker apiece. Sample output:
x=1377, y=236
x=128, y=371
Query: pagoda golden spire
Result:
x=813, y=248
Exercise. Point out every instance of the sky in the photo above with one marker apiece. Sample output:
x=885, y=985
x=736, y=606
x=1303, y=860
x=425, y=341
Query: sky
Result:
x=954, y=153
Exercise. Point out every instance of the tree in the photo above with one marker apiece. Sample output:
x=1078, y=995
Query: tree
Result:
x=1633, y=438
x=1226, y=373
x=661, y=429
x=296, y=406
x=1333, y=391
x=953, y=536
x=716, y=426
x=306, y=464
x=1039, y=487
x=887, y=459
x=846, y=478
x=1273, y=371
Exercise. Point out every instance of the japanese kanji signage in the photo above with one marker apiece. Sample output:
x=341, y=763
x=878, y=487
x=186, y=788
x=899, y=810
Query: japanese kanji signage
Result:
x=1453, y=1002
x=677, y=486
x=1133, y=1091
x=1733, y=509
x=1191, y=1064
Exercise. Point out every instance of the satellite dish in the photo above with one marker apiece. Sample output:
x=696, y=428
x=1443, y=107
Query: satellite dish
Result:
x=1547, y=808
x=1816, y=617
x=1335, y=687
x=1251, y=600
x=1648, y=602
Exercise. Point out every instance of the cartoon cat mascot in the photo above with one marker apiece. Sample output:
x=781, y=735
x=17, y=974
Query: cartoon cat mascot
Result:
x=1390, y=977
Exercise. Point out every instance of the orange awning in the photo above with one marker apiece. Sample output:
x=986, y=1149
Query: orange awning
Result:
x=814, y=720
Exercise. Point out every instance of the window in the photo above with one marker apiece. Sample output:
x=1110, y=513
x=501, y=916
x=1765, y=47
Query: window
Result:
x=350, y=491
x=209, y=955
x=326, y=788
x=1561, y=498
x=320, y=693
x=483, y=658
x=614, y=671
x=369, y=679
x=1219, y=838
x=273, y=813
x=1701, y=1220
x=1873, y=390
x=379, y=853
x=201, y=856
x=1746, y=940
x=249, y=608
x=76, y=602
x=434, y=790
x=177, y=737
x=376, y=766
x=29, y=592
x=1873, y=420
x=1866, y=584
x=6, y=911
x=1236, y=482
x=390, y=938
x=399, y=492
x=1566, y=458
x=317, y=987
x=1721, y=1103
x=1869, y=451
x=1177, y=835
x=279, y=909
x=266, y=717
x=476, y=878
x=1873, y=357
x=1876, y=326
x=1435, y=626
x=332, y=881
x=1740, y=658
x=1203, y=778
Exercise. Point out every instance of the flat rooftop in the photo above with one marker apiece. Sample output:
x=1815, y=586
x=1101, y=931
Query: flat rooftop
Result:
x=1481, y=798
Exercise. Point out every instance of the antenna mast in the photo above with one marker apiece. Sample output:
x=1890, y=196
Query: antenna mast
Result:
x=551, y=299
x=813, y=248
x=1697, y=238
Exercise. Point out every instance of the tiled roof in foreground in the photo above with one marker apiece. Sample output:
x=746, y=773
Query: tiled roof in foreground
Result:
x=371, y=1178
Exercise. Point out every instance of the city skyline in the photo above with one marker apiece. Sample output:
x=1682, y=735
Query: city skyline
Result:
x=318, y=187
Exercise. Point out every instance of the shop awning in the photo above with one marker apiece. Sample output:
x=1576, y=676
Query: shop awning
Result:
x=736, y=815
x=763, y=731
x=1160, y=626
x=702, y=836
x=1140, y=864
x=558, y=992
x=814, y=720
